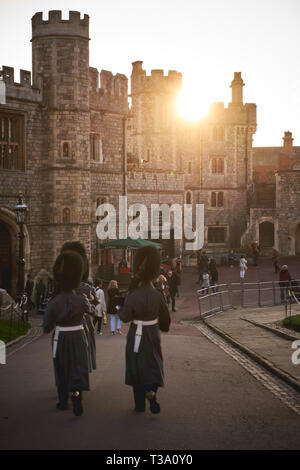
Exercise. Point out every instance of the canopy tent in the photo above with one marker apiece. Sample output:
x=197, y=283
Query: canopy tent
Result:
x=128, y=243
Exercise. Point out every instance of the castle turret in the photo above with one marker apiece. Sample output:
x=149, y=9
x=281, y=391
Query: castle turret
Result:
x=60, y=59
x=237, y=88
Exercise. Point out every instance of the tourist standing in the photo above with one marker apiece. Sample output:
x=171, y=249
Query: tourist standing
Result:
x=243, y=267
x=275, y=260
x=65, y=312
x=214, y=275
x=114, y=304
x=173, y=280
x=101, y=307
x=284, y=281
x=255, y=253
x=148, y=313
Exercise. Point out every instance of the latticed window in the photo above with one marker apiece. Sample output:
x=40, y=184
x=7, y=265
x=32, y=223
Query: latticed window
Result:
x=11, y=142
x=217, y=165
x=216, y=234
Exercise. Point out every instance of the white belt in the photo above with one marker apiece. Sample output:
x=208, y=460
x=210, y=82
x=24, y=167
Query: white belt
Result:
x=138, y=333
x=63, y=328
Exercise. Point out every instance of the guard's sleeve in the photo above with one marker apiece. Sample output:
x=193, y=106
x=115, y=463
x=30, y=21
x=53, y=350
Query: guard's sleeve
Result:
x=126, y=313
x=49, y=318
x=164, y=315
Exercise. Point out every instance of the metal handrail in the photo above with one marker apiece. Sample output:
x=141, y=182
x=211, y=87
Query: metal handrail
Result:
x=215, y=299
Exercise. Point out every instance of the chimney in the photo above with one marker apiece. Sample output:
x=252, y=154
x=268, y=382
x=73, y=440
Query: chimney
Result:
x=288, y=143
x=237, y=88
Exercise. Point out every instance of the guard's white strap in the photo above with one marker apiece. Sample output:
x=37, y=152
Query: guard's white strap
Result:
x=63, y=328
x=139, y=330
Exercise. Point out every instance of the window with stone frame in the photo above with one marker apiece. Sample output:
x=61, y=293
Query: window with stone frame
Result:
x=218, y=133
x=216, y=234
x=217, y=199
x=96, y=150
x=188, y=197
x=66, y=215
x=217, y=165
x=12, y=142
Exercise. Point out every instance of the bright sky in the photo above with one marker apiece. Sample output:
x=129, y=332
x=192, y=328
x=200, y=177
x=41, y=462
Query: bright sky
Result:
x=206, y=40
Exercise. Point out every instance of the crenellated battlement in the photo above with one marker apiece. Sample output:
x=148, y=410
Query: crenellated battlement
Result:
x=23, y=90
x=55, y=25
x=141, y=82
x=112, y=93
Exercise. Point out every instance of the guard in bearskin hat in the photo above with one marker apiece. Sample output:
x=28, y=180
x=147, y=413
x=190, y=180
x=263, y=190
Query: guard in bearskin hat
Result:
x=89, y=290
x=146, y=309
x=65, y=313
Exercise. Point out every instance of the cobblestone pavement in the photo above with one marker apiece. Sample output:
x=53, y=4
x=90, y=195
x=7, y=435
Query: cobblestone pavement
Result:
x=288, y=395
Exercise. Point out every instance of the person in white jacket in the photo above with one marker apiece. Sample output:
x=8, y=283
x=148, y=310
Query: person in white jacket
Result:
x=243, y=267
x=101, y=307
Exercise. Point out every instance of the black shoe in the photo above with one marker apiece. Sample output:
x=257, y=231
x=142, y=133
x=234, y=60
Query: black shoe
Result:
x=61, y=406
x=77, y=405
x=154, y=406
x=139, y=410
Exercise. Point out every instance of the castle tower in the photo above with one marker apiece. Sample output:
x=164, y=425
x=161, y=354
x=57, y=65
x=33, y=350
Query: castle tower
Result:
x=154, y=117
x=60, y=56
x=237, y=88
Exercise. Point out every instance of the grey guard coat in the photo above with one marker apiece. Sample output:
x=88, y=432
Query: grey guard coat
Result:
x=71, y=364
x=145, y=367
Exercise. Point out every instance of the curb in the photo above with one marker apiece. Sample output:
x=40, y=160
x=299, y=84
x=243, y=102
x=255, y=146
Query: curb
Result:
x=257, y=358
x=19, y=338
x=273, y=330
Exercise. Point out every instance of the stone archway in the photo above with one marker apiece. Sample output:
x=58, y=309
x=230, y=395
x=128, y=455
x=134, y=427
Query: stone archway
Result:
x=266, y=235
x=9, y=245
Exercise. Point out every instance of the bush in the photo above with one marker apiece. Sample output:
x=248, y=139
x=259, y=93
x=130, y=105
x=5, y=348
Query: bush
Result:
x=12, y=330
x=292, y=322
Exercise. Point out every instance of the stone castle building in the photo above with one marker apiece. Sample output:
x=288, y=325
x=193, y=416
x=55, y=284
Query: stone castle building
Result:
x=69, y=144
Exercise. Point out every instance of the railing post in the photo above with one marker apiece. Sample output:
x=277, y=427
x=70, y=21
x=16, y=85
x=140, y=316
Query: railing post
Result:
x=221, y=302
x=259, y=295
x=242, y=295
x=274, y=293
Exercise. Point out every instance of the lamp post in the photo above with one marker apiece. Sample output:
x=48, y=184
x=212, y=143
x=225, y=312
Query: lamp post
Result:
x=20, y=210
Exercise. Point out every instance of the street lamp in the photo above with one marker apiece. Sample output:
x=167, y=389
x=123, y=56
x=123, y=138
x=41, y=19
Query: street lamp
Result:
x=20, y=210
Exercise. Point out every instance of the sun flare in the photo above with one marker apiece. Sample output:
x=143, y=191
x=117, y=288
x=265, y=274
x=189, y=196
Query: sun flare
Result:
x=192, y=105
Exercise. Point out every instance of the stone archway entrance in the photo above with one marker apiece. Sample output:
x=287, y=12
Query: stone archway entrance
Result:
x=297, y=240
x=266, y=235
x=5, y=258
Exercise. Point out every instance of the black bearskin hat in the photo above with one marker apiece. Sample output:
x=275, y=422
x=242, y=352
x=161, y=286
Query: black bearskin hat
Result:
x=67, y=270
x=146, y=264
x=80, y=249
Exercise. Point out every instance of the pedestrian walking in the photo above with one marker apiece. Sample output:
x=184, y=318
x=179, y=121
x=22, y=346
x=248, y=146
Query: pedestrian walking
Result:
x=115, y=301
x=275, y=260
x=65, y=313
x=101, y=307
x=178, y=269
x=86, y=288
x=284, y=281
x=205, y=284
x=162, y=286
x=255, y=253
x=173, y=280
x=148, y=313
x=243, y=267
x=29, y=290
x=202, y=264
x=214, y=275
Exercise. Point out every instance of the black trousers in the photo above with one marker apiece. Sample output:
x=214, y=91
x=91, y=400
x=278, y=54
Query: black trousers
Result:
x=63, y=394
x=99, y=321
x=139, y=393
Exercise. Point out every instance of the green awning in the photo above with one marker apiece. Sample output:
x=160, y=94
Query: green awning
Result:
x=128, y=243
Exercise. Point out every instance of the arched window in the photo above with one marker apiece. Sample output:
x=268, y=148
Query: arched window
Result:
x=220, y=166
x=214, y=165
x=66, y=216
x=220, y=133
x=217, y=165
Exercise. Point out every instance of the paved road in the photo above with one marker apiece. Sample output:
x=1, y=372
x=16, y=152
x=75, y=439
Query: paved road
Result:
x=210, y=401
